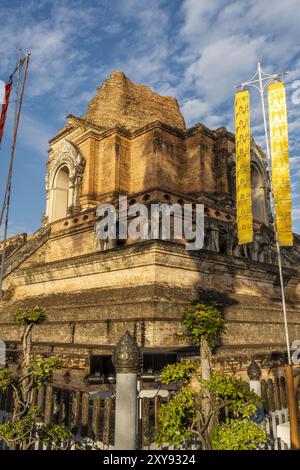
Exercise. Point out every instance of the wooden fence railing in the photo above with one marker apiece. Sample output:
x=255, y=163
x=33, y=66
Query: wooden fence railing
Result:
x=274, y=394
x=92, y=417
x=85, y=416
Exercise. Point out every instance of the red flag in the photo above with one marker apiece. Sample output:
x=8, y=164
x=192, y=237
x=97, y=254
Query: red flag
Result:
x=8, y=88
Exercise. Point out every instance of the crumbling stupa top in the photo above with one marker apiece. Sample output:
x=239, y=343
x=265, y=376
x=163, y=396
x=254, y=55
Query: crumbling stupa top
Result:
x=120, y=102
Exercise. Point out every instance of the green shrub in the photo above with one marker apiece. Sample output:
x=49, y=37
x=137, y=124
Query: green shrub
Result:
x=175, y=418
x=41, y=369
x=29, y=316
x=179, y=372
x=6, y=378
x=202, y=320
x=236, y=434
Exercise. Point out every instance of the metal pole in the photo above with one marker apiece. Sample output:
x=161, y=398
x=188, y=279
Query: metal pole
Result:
x=18, y=107
x=292, y=404
x=18, y=68
x=292, y=407
x=261, y=89
x=291, y=399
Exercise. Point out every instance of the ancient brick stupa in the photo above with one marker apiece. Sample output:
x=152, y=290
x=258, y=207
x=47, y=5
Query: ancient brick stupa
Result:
x=134, y=142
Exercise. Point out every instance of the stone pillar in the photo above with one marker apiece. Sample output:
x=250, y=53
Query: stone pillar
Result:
x=254, y=374
x=2, y=353
x=127, y=360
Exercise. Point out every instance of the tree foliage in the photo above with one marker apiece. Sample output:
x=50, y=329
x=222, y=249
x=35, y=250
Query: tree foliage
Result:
x=57, y=436
x=236, y=434
x=179, y=372
x=234, y=391
x=29, y=316
x=41, y=369
x=18, y=430
x=203, y=321
x=176, y=418
x=207, y=398
x=26, y=426
x=29, y=429
x=182, y=418
x=6, y=379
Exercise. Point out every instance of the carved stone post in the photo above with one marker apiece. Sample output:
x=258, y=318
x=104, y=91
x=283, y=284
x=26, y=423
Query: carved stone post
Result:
x=254, y=374
x=127, y=362
x=2, y=353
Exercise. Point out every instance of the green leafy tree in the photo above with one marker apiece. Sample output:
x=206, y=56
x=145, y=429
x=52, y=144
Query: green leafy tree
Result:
x=206, y=398
x=203, y=324
x=236, y=434
x=184, y=418
x=26, y=427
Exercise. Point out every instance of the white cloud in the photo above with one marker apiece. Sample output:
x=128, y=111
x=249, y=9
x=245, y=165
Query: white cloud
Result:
x=56, y=66
x=35, y=134
x=196, y=53
x=296, y=214
x=219, y=67
x=225, y=40
x=194, y=109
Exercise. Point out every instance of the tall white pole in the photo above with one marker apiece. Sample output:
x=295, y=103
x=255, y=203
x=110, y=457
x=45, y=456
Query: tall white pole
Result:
x=261, y=89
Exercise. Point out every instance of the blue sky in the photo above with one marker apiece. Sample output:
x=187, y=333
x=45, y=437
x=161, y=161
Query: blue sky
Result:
x=195, y=50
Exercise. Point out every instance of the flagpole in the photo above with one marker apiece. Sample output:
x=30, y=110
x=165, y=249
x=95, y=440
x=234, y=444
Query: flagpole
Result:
x=17, y=113
x=261, y=89
x=291, y=392
x=258, y=84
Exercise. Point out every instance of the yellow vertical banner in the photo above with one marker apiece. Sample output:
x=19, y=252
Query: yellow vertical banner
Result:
x=243, y=184
x=280, y=162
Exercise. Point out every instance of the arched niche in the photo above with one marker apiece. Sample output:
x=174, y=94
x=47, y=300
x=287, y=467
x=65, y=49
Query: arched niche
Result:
x=60, y=193
x=258, y=194
x=63, y=183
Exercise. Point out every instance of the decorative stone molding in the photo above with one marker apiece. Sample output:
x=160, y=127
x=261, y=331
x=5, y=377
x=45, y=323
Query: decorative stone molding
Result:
x=127, y=356
x=68, y=155
x=8, y=293
x=26, y=250
x=15, y=245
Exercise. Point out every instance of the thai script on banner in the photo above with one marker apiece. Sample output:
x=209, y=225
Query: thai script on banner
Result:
x=280, y=162
x=243, y=181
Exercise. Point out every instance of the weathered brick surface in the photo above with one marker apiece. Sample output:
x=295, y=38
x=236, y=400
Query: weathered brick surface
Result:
x=91, y=300
x=122, y=102
x=91, y=297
